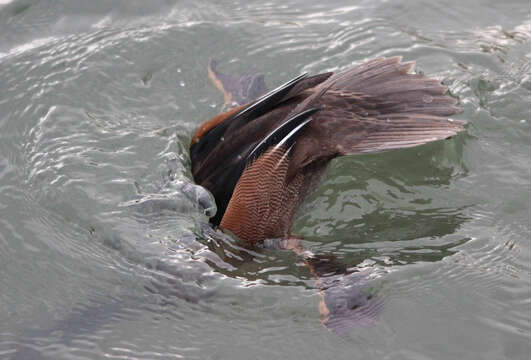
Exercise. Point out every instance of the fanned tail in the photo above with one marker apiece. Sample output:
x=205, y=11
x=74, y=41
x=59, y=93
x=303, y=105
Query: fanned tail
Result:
x=380, y=106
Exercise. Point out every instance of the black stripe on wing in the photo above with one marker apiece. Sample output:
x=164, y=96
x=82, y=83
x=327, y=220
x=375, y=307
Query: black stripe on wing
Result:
x=284, y=135
x=256, y=109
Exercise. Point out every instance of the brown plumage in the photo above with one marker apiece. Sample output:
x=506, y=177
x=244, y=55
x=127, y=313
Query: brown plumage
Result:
x=263, y=158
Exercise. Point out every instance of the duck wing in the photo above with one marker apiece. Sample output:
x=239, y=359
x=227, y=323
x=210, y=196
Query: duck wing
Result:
x=263, y=201
x=220, y=147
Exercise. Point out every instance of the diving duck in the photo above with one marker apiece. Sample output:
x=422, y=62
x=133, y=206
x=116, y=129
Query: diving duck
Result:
x=261, y=158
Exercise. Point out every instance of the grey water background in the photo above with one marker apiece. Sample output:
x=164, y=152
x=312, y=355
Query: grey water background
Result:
x=103, y=248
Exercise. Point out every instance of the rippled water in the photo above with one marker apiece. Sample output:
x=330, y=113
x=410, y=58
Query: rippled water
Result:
x=103, y=248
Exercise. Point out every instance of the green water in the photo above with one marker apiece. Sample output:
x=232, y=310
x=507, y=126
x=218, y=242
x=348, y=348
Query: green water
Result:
x=103, y=248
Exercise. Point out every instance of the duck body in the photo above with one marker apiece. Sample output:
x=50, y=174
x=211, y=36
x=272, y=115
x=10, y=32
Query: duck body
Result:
x=261, y=159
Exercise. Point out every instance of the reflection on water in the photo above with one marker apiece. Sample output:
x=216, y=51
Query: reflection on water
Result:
x=104, y=251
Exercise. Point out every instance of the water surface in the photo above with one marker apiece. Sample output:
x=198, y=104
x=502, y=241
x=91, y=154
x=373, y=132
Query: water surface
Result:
x=103, y=248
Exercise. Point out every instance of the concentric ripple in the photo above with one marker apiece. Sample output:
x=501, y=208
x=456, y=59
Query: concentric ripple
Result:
x=105, y=251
